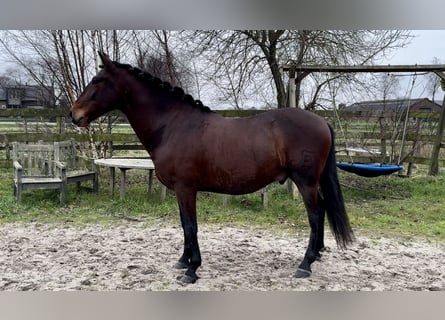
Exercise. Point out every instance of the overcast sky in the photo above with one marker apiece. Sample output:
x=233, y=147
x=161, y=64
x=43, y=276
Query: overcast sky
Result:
x=426, y=45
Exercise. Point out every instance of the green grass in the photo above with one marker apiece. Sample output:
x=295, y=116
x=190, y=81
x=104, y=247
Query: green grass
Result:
x=396, y=206
x=384, y=206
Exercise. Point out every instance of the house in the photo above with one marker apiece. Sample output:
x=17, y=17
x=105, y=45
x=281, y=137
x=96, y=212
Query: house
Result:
x=395, y=105
x=26, y=96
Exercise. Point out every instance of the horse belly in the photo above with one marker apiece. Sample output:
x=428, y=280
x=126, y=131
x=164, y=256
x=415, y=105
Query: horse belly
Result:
x=240, y=180
x=241, y=163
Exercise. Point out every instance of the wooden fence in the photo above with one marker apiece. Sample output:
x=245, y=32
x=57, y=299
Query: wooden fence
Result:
x=360, y=136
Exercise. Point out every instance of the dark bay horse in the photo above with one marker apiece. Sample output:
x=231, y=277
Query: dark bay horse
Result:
x=195, y=149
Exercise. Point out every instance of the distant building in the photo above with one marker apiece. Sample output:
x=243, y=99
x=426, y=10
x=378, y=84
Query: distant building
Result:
x=25, y=96
x=395, y=105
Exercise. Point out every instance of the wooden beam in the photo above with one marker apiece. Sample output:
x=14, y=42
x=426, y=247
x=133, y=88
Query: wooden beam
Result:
x=366, y=68
x=440, y=75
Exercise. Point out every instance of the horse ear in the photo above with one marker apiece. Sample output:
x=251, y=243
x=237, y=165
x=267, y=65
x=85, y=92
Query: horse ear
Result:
x=106, y=61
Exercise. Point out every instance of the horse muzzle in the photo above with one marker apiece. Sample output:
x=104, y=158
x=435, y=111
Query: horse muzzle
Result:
x=77, y=121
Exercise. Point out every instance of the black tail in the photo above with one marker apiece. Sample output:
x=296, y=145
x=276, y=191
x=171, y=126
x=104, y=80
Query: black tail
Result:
x=333, y=198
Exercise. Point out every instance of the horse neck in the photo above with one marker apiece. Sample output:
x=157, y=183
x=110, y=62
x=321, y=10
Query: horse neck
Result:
x=153, y=117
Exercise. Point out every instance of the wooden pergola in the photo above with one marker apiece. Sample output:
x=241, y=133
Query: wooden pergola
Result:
x=299, y=72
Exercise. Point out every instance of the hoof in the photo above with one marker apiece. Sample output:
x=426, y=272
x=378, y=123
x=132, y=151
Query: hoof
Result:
x=181, y=265
x=301, y=273
x=186, y=279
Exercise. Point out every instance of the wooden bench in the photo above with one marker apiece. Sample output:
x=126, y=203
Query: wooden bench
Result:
x=78, y=169
x=35, y=167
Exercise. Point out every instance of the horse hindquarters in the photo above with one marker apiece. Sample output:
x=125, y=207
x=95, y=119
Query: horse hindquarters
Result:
x=330, y=200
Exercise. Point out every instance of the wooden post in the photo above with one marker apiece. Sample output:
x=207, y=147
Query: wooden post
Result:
x=434, y=165
x=163, y=192
x=292, y=102
x=109, y=130
x=292, y=99
x=60, y=124
x=264, y=198
x=382, y=141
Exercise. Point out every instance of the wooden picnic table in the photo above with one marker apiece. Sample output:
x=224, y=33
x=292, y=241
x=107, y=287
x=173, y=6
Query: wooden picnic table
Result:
x=124, y=164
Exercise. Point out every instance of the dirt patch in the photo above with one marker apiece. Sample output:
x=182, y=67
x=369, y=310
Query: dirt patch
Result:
x=140, y=257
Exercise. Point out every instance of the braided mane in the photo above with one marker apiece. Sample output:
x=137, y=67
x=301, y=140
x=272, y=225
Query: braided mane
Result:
x=164, y=86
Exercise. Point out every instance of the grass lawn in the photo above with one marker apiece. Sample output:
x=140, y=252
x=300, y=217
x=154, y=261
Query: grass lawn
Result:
x=388, y=206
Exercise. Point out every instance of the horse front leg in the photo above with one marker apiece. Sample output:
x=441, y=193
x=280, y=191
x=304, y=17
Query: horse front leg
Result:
x=191, y=257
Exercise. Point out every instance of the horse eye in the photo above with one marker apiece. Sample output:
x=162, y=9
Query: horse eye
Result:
x=97, y=80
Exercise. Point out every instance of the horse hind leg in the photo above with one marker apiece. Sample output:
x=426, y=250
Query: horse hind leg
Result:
x=320, y=217
x=316, y=213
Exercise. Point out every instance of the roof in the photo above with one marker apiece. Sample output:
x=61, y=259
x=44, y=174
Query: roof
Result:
x=395, y=105
x=31, y=93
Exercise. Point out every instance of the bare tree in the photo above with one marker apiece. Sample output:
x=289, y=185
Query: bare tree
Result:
x=154, y=52
x=162, y=36
x=253, y=52
x=66, y=59
x=433, y=81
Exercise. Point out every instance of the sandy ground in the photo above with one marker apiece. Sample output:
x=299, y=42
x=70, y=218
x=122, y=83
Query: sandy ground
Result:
x=135, y=256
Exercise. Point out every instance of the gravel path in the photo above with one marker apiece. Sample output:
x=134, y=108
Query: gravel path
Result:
x=135, y=256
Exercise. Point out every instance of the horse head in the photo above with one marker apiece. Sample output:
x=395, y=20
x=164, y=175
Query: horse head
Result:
x=103, y=94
